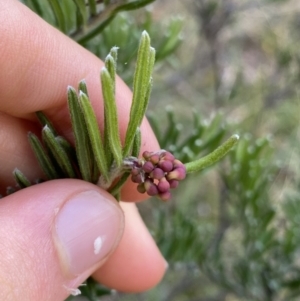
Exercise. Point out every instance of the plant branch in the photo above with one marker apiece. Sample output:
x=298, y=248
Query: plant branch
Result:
x=97, y=23
x=213, y=157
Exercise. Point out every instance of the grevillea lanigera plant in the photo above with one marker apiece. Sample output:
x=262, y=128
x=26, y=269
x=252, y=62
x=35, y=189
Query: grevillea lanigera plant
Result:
x=102, y=159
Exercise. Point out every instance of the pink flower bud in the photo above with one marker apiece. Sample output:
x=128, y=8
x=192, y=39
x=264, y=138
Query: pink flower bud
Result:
x=165, y=196
x=157, y=173
x=168, y=156
x=178, y=164
x=165, y=165
x=137, y=178
x=135, y=171
x=154, y=158
x=173, y=183
x=146, y=155
x=163, y=185
x=148, y=167
x=177, y=174
x=151, y=188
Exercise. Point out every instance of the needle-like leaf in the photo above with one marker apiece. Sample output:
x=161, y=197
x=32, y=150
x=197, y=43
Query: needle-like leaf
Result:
x=82, y=142
x=94, y=134
x=114, y=54
x=70, y=150
x=45, y=121
x=110, y=65
x=111, y=117
x=21, y=180
x=213, y=157
x=136, y=143
x=58, y=153
x=42, y=157
x=59, y=14
x=82, y=13
x=82, y=87
x=93, y=7
x=141, y=92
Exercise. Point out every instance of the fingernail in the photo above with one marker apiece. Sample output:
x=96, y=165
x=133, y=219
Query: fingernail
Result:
x=87, y=228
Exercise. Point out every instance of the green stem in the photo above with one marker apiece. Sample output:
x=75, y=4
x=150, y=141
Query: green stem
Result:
x=213, y=157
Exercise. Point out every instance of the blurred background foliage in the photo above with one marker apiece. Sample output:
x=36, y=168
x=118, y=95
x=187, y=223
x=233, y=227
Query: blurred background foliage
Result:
x=231, y=66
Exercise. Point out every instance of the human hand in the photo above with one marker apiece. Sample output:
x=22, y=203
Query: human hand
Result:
x=54, y=235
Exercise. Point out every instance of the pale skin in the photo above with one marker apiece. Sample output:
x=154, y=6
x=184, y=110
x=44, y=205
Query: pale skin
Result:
x=37, y=64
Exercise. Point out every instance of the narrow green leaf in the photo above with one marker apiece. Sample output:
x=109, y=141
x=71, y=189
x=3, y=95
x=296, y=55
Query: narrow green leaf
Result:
x=136, y=143
x=111, y=116
x=172, y=38
x=69, y=149
x=82, y=87
x=42, y=157
x=79, y=20
x=114, y=53
x=94, y=134
x=81, y=7
x=213, y=157
x=93, y=7
x=45, y=121
x=20, y=178
x=93, y=165
x=53, y=160
x=151, y=61
x=58, y=152
x=64, y=143
x=59, y=15
x=147, y=98
x=36, y=6
x=141, y=90
x=110, y=65
x=95, y=173
x=82, y=143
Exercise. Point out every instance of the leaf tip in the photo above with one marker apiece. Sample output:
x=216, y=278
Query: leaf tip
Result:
x=109, y=57
x=145, y=38
x=145, y=34
x=236, y=137
x=16, y=170
x=70, y=90
x=46, y=128
x=81, y=93
x=103, y=70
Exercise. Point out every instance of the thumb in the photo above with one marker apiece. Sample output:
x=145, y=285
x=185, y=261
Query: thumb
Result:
x=53, y=236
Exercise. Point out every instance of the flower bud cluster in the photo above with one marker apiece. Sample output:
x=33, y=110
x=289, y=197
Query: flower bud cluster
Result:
x=157, y=173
